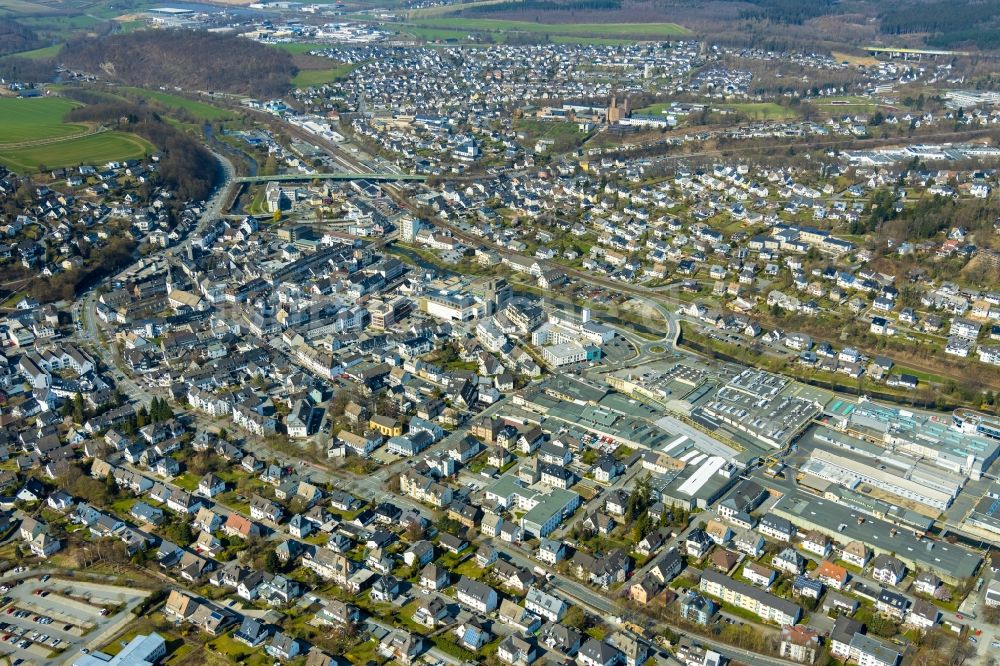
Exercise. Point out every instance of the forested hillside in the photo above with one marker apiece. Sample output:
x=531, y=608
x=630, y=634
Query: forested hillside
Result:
x=185, y=59
x=15, y=37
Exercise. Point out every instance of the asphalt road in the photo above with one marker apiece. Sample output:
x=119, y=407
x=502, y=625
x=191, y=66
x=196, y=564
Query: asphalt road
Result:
x=85, y=309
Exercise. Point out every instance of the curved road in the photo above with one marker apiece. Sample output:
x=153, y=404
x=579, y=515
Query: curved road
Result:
x=85, y=309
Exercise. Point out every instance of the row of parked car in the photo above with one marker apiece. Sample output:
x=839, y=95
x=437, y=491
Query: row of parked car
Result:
x=16, y=636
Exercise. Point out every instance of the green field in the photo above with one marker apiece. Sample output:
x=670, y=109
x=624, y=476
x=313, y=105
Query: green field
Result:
x=93, y=149
x=754, y=110
x=35, y=118
x=762, y=110
x=43, y=53
x=605, y=30
x=653, y=109
x=837, y=105
x=59, y=27
x=200, y=110
x=442, y=34
x=590, y=41
x=317, y=77
x=564, y=135
x=24, y=7
x=297, y=48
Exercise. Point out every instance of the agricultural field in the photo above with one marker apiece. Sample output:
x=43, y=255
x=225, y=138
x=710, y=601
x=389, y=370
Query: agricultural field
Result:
x=23, y=7
x=60, y=27
x=91, y=149
x=44, y=53
x=602, y=30
x=36, y=118
x=442, y=34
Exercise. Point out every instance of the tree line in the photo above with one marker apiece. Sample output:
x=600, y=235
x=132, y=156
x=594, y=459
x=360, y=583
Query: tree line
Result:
x=787, y=11
x=946, y=22
x=544, y=6
x=27, y=70
x=185, y=167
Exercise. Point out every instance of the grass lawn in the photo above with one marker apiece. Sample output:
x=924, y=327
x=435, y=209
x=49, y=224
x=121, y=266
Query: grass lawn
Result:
x=605, y=30
x=200, y=110
x=91, y=149
x=256, y=204
x=36, y=118
x=123, y=506
x=856, y=570
x=187, y=481
x=236, y=652
x=317, y=77
x=405, y=618
x=229, y=499
x=232, y=475
x=177, y=647
x=362, y=653
x=470, y=569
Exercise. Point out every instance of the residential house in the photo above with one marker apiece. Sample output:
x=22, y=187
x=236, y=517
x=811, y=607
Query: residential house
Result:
x=478, y=596
x=545, y=605
x=799, y=643
x=599, y=653
x=887, y=569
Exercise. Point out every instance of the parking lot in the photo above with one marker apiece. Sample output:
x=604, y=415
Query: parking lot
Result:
x=47, y=620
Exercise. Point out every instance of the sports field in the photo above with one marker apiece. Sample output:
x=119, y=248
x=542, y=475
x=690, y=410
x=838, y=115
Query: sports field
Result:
x=35, y=118
x=850, y=104
x=606, y=30
x=762, y=110
x=298, y=48
x=92, y=149
x=753, y=110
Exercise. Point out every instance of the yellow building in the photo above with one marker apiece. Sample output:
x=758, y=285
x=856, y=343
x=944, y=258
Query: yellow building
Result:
x=387, y=426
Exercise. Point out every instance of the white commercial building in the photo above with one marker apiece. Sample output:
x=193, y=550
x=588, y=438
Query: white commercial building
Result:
x=140, y=651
